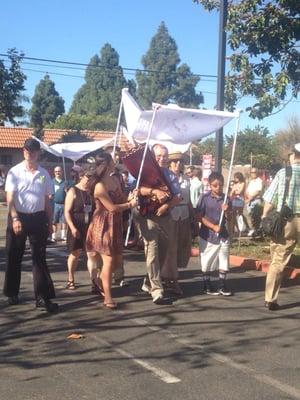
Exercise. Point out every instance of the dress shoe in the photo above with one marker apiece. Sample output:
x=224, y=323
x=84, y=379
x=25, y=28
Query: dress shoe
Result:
x=272, y=306
x=46, y=305
x=13, y=300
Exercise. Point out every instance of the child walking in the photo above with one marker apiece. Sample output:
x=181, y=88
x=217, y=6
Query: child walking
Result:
x=214, y=238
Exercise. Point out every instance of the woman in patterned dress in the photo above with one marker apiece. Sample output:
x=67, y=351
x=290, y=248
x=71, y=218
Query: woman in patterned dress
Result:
x=105, y=233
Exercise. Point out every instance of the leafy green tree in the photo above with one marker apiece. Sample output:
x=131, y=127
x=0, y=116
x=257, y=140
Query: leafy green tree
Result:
x=265, y=59
x=104, y=80
x=47, y=104
x=11, y=87
x=253, y=144
x=165, y=80
x=82, y=122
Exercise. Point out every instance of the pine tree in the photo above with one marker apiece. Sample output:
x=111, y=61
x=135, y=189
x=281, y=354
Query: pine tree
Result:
x=104, y=80
x=47, y=104
x=165, y=80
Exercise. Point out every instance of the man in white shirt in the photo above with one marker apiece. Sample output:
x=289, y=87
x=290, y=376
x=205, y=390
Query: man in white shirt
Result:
x=28, y=188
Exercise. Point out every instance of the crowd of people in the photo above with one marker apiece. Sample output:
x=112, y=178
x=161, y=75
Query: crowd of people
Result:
x=91, y=209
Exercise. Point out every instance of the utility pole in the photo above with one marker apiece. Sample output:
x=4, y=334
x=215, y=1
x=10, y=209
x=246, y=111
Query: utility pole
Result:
x=221, y=79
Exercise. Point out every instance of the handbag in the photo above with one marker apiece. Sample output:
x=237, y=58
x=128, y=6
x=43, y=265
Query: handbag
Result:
x=273, y=224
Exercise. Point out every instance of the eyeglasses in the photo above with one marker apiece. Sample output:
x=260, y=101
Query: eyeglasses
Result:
x=57, y=171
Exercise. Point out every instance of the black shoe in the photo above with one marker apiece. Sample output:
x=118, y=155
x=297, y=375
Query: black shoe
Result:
x=225, y=292
x=47, y=305
x=208, y=289
x=13, y=300
x=272, y=306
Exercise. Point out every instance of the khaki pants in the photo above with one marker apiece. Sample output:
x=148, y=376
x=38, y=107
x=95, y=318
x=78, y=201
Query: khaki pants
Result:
x=155, y=234
x=281, y=251
x=179, y=250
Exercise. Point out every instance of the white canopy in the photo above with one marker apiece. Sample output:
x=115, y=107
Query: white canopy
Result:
x=74, y=151
x=172, y=123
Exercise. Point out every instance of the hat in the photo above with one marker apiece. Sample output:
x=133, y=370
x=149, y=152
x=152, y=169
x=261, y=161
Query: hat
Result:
x=32, y=145
x=297, y=147
x=176, y=156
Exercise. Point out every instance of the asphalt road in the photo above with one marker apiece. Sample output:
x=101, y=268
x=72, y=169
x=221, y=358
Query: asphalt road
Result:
x=197, y=347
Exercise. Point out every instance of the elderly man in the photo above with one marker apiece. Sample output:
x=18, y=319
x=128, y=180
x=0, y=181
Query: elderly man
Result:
x=60, y=191
x=282, y=249
x=154, y=228
x=28, y=188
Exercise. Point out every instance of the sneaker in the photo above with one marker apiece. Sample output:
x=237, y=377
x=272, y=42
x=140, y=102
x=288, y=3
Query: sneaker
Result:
x=52, y=240
x=250, y=233
x=46, y=305
x=64, y=239
x=225, y=292
x=272, y=305
x=13, y=300
x=145, y=287
x=210, y=291
x=158, y=299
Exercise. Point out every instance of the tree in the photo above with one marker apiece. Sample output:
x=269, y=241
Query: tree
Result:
x=164, y=80
x=286, y=138
x=11, y=87
x=264, y=63
x=47, y=105
x=253, y=144
x=82, y=122
x=104, y=80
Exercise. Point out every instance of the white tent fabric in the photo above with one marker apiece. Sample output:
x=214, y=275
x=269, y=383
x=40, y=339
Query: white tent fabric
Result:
x=74, y=151
x=172, y=147
x=172, y=123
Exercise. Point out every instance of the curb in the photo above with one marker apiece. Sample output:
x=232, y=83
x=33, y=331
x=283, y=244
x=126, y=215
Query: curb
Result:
x=252, y=264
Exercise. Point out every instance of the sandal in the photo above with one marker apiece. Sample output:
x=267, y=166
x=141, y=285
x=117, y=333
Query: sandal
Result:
x=70, y=285
x=97, y=288
x=111, y=305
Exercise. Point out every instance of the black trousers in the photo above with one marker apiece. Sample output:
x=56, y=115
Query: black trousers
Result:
x=36, y=229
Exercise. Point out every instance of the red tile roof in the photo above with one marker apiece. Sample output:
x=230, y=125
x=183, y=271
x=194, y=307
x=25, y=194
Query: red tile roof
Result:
x=15, y=137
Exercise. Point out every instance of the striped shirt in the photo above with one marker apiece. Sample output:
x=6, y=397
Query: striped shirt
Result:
x=274, y=193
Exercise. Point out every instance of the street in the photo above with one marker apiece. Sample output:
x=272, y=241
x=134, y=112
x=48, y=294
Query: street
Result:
x=198, y=347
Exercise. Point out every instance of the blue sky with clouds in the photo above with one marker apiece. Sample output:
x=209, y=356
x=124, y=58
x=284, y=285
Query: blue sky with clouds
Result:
x=76, y=30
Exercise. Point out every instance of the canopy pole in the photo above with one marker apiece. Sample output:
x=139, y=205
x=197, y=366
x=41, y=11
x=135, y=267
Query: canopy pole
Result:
x=64, y=167
x=117, y=129
x=141, y=169
x=237, y=127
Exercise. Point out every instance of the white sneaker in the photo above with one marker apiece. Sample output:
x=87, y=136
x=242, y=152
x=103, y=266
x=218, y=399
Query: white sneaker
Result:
x=146, y=288
x=158, y=298
x=250, y=233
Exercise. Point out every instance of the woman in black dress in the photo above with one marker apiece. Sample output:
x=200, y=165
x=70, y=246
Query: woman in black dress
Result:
x=78, y=212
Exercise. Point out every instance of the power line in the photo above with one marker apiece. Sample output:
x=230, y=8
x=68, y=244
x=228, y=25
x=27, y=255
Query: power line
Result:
x=103, y=66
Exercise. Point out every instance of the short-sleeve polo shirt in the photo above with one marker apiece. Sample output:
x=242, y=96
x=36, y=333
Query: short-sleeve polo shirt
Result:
x=30, y=188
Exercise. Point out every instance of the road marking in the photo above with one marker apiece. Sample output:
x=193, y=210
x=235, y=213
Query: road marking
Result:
x=261, y=377
x=158, y=372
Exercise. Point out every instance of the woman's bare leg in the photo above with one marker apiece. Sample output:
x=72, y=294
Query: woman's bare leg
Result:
x=72, y=264
x=106, y=277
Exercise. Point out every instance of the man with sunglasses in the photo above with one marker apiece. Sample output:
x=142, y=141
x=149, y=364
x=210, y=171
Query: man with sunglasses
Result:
x=28, y=189
x=282, y=248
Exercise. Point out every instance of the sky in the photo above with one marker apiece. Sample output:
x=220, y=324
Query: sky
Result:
x=74, y=31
